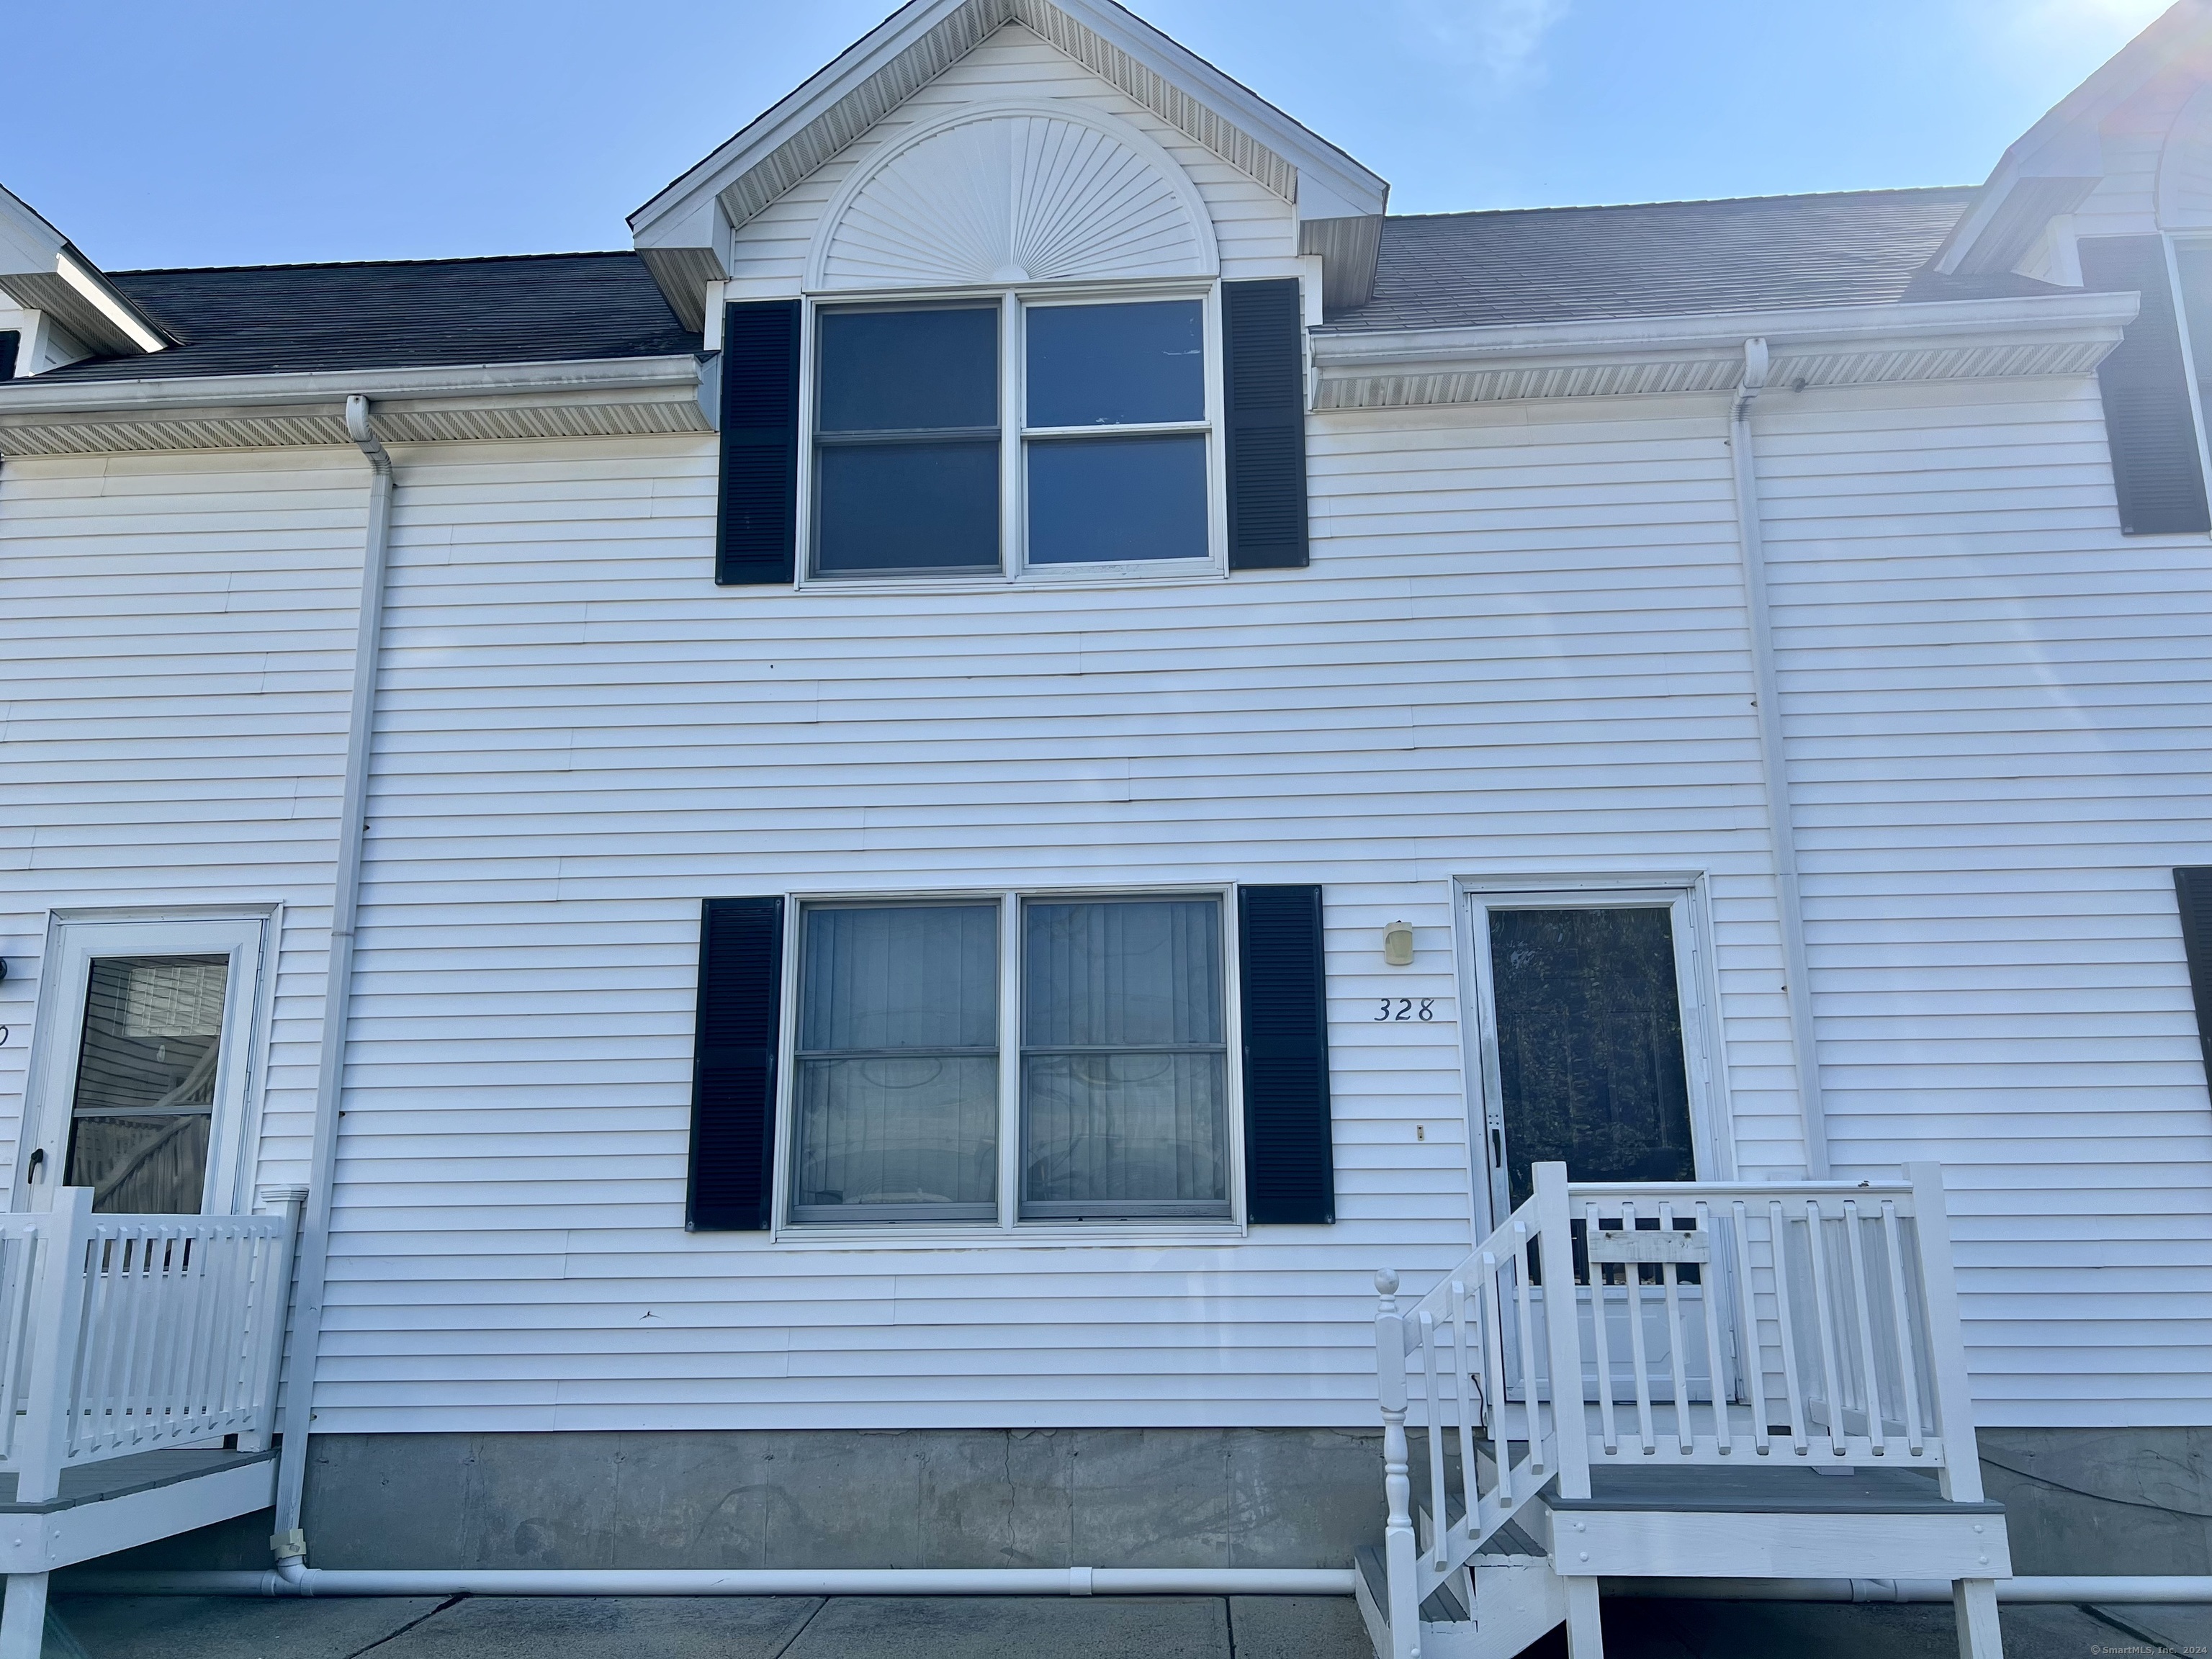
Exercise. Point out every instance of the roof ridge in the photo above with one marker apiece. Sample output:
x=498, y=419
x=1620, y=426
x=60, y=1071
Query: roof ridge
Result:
x=1694, y=201
x=376, y=264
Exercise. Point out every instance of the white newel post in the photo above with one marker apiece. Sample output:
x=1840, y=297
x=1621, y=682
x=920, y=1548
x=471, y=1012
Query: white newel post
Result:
x=1570, y=1434
x=55, y=1324
x=1398, y=1544
x=1973, y=1601
x=272, y=1309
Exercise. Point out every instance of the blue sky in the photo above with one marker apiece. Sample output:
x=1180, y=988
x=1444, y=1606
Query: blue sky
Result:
x=243, y=131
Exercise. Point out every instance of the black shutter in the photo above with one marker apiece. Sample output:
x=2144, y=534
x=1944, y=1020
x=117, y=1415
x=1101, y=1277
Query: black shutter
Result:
x=1263, y=373
x=2192, y=885
x=11, y=341
x=756, y=533
x=1290, y=1172
x=733, y=1065
x=2157, y=469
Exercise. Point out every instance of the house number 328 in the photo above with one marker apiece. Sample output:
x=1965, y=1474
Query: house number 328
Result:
x=1405, y=1008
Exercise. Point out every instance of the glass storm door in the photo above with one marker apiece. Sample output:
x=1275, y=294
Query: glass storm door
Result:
x=1585, y=1062
x=142, y=1067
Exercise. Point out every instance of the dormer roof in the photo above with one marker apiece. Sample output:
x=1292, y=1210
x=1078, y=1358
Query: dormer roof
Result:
x=40, y=270
x=684, y=233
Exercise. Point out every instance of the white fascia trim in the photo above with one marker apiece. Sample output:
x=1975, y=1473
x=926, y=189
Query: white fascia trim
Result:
x=107, y=301
x=1364, y=190
x=2086, y=316
x=42, y=397
x=1361, y=191
x=2066, y=142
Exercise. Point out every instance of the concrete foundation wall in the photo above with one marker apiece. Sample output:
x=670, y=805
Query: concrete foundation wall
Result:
x=2078, y=1500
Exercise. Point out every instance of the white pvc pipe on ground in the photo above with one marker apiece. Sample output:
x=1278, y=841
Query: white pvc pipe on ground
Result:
x=2076, y=1589
x=294, y=1580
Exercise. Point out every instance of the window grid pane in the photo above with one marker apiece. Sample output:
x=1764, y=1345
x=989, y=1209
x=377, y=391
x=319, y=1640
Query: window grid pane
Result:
x=144, y=1101
x=1124, y=1064
x=895, y=1094
x=906, y=448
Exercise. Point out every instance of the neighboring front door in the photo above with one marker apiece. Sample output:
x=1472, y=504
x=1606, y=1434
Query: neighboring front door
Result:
x=142, y=1070
x=1586, y=1011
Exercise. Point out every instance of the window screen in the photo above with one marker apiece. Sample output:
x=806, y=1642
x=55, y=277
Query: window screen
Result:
x=1123, y=1059
x=1101, y=488
x=907, y=441
x=897, y=1079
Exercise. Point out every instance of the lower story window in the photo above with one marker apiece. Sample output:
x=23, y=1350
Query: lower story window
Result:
x=1104, y=1061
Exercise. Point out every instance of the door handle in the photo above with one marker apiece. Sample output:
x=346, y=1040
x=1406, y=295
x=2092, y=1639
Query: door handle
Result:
x=1497, y=1147
x=38, y=1162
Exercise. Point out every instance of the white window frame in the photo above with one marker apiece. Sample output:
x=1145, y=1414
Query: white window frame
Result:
x=1683, y=895
x=73, y=940
x=1013, y=302
x=1010, y=1226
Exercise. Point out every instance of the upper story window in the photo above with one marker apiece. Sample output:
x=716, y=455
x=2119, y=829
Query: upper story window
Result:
x=978, y=438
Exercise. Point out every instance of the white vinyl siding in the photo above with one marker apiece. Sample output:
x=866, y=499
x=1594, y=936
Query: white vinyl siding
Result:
x=178, y=634
x=1519, y=652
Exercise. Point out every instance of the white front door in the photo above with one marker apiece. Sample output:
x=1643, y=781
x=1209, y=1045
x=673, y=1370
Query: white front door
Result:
x=1590, y=1030
x=143, y=1069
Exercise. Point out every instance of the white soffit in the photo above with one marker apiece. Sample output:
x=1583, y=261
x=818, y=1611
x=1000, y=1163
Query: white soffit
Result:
x=41, y=271
x=1015, y=195
x=833, y=109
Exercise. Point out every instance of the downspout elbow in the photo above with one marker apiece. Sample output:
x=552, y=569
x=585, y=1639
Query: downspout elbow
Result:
x=364, y=434
x=1754, y=378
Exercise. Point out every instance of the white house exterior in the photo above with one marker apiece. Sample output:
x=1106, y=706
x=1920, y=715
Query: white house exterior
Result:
x=1759, y=566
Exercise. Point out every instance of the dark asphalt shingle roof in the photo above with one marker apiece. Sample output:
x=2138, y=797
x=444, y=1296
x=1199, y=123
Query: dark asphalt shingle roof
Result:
x=1439, y=271
x=1561, y=265
x=260, y=319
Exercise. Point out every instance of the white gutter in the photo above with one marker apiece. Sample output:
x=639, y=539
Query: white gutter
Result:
x=44, y=395
x=306, y=1327
x=294, y=1579
x=2067, y=314
x=291, y=1578
x=1773, y=757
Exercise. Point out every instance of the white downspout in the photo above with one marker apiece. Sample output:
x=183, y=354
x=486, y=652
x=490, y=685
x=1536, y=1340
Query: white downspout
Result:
x=289, y=1543
x=1797, y=985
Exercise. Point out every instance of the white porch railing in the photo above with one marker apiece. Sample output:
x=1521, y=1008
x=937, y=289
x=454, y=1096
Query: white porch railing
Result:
x=1714, y=1324
x=124, y=1334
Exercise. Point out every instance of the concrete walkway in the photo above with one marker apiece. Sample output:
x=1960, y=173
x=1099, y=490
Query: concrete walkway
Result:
x=964, y=1627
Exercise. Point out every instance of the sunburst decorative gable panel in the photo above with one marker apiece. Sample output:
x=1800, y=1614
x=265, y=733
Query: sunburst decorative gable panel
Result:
x=1016, y=197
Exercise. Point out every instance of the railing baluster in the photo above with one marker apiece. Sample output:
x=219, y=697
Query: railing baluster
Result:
x=1524, y=1302
x=1603, y=1342
x=1634, y=1276
x=1753, y=1349
x=226, y=1283
x=1709, y=1309
x=1855, y=1247
x=1493, y=1365
x=1437, y=1508
x=1470, y=1474
x=1827, y=1329
x=1907, y=1332
x=1783, y=1299
x=1678, y=1370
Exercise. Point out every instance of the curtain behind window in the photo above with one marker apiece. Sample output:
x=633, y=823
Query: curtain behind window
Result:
x=897, y=1075
x=1124, y=1062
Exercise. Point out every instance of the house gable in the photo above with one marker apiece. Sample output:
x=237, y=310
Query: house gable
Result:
x=1229, y=141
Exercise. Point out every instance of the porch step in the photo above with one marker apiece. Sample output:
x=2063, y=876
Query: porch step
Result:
x=1518, y=1601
